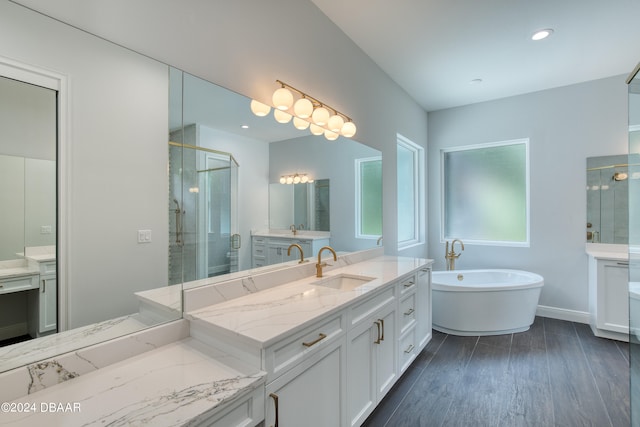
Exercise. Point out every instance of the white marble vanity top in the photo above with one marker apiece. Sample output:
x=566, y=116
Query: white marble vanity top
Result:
x=300, y=234
x=608, y=251
x=174, y=385
x=16, y=268
x=264, y=317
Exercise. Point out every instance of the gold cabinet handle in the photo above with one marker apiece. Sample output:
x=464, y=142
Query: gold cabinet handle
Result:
x=409, y=349
x=409, y=312
x=316, y=341
x=275, y=404
x=377, y=341
x=382, y=324
x=409, y=284
x=43, y=286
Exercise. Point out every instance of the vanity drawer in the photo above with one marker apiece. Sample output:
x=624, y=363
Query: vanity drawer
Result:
x=408, y=284
x=48, y=267
x=287, y=353
x=361, y=311
x=17, y=284
x=408, y=349
x=407, y=312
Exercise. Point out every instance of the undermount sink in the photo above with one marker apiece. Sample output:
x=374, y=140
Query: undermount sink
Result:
x=343, y=282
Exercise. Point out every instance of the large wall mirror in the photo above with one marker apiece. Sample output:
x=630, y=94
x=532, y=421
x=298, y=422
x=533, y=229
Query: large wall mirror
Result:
x=232, y=163
x=126, y=243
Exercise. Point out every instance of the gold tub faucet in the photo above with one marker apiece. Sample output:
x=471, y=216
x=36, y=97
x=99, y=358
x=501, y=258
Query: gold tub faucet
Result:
x=451, y=255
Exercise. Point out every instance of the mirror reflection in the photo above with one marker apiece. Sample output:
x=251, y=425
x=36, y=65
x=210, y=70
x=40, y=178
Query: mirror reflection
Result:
x=28, y=291
x=608, y=199
x=232, y=201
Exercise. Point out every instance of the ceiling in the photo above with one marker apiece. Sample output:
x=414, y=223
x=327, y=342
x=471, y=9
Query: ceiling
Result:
x=434, y=48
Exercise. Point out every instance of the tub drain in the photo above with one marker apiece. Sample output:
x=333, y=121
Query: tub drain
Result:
x=460, y=277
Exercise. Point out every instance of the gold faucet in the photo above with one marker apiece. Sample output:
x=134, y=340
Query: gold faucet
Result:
x=321, y=264
x=293, y=229
x=378, y=241
x=299, y=248
x=451, y=255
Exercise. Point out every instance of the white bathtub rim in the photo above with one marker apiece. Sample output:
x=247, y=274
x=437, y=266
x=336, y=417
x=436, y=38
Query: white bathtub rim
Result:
x=536, y=281
x=480, y=333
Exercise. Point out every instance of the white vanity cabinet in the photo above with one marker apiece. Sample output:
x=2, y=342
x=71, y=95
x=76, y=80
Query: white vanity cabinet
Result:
x=311, y=394
x=267, y=250
x=371, y=354
x=609, y=297
x=46, y=300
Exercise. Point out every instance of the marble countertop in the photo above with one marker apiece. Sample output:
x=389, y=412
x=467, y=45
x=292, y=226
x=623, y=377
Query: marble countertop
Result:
x=16, y=268
x=288, y=234
x=608, y=251
x=173, y=385
x=261, y=319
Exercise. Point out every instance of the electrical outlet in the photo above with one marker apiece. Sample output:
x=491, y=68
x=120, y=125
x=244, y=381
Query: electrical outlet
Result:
x=45, y=229
x=144, y=236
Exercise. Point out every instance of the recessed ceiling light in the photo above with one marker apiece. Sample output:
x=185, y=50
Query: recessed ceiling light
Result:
x=245, y=126
x=541, y=34
x=475, y=81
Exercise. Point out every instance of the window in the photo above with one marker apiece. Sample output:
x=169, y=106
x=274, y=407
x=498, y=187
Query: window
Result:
x=410, y=171
x=369, y=198
x=485, y=191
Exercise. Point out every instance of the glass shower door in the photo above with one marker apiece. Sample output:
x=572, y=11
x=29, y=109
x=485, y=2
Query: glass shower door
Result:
x=634, y=244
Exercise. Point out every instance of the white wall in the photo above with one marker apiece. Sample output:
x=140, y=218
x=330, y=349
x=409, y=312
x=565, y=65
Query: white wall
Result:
x=245, y=45
x=117, y=129
x=565, y=126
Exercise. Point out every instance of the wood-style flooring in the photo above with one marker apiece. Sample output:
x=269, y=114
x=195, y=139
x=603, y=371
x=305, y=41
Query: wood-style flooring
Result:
x=555, y=374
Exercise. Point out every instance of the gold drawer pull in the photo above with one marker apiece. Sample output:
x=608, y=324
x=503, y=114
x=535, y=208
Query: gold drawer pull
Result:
x=409, y=284
x=382, y=324
x=377, y=341
x=409, y=313
x=409, y=349
x=314, y=342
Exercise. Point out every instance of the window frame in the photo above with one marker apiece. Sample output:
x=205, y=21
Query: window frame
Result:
x=443, y=213
x=418, y=237
x=358, y=192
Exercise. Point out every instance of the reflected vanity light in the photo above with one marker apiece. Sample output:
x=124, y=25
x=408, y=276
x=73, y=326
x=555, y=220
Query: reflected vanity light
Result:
x=307, y=112
x=295, y=179
x=620, y=176
x=541, y=34
x=194, y=190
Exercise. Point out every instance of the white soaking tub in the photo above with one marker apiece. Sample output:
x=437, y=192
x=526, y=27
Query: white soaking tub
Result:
x=484, y=302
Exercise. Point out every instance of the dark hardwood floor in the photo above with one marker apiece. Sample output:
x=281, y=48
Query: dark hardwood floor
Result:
x=555, y=374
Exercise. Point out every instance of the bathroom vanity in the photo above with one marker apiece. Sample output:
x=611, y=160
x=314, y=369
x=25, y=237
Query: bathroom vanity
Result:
x=609, y=290
x=271, y=247
x=281, y=345
x=35, y=275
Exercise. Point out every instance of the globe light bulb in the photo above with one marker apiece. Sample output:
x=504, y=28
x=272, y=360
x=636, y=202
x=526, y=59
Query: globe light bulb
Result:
x=281, y=116
x=259, y=109
x=348, y=129
x=315, y=129
x=331, y=136
x=320, y=116
x=282, y=99
x=335, y=123
x=300, y=124
x=303, y=108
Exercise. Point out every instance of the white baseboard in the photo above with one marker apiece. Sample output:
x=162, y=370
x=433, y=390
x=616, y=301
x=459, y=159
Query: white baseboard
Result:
x=563, y=314
x=15, y=330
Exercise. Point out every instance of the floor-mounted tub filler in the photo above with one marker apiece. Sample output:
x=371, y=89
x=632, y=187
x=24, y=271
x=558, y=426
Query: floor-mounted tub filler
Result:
x=484, y=302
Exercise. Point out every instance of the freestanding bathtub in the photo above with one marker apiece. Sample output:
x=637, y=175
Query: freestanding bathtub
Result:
x=484, y=302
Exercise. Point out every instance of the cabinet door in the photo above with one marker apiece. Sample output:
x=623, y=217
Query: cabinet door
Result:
x=311, y=394
x=385, y=353
x=361, y=384
x=423, y=308
x=47, y=302
x=613, y=296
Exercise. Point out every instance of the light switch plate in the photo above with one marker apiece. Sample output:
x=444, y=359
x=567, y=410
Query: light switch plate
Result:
x=144, y=236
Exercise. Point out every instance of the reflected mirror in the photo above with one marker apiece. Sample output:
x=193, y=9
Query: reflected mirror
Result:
x=206, y=121
x=607, y=199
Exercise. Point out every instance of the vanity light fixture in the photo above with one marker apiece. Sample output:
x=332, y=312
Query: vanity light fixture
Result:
x=295, y=179
x=307, y=112
x=541, y=34
x=620, y=176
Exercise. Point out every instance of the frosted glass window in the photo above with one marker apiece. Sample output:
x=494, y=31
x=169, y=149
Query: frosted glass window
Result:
x=369, y=196
x=409, y=173
x=486, y=193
